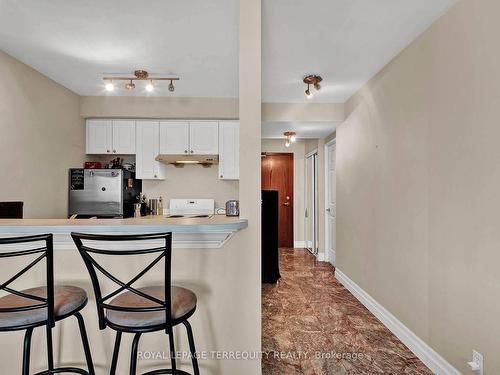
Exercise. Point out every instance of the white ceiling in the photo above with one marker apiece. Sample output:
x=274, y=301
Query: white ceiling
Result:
x=304, y=130
x=75, y=42
x=346, y=41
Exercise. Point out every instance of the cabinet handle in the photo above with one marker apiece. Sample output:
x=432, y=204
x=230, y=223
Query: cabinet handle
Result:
x=185, y=151
x=114, y=151
x=107, y=151
x=192, y=151
x=156, y=176
x=221, y=176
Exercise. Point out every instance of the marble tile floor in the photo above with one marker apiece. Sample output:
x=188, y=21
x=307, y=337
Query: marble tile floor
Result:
x=312, y=325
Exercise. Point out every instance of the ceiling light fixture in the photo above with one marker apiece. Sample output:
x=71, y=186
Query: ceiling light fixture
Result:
x=314, y=80
x=139, y=75
x=110, y=86
x=150, y=87
x=130, y=86
x=290, y=137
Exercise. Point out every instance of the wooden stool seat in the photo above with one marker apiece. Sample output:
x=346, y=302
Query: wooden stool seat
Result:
x=67, y=300
x=183, y=303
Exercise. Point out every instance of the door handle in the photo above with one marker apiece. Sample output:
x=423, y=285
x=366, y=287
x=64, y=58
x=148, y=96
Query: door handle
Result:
x=328, y=210
x=286, y=204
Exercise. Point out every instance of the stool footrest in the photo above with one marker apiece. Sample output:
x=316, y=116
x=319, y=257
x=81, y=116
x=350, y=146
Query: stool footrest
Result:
x=166, y=371
x=74, y=370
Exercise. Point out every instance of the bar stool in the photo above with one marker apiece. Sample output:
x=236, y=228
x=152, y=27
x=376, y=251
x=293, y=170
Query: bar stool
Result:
x=43, y=305
x=139, y=310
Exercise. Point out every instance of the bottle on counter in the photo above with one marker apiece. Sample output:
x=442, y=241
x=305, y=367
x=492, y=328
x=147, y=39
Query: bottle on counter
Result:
x=144, y=205
x=160, y=206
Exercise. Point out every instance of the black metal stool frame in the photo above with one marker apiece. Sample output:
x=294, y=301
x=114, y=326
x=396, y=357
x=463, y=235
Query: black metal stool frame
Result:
x=46, y=252
x=165, y=253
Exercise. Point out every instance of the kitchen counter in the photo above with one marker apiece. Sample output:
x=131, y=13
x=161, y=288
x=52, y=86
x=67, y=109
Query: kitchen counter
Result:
x=207, y=232
x=204, y=260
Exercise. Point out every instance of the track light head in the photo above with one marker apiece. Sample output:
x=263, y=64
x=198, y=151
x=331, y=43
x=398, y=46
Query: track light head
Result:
x=150, y=87
x=308, y=93
x=130, y=86
x=110, y=86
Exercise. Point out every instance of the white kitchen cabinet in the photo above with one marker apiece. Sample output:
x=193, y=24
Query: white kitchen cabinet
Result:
x=229, y=150
x=147, y=149
x=99, y=137
x=110, y=137
x=174, y=137
x=204, y=137
x=124, y=137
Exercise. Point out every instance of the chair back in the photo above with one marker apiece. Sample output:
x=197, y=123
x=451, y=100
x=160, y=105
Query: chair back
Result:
x=88, y=253
x=9, y=248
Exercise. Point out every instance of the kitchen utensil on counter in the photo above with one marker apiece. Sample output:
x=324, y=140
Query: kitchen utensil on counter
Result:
x=137, y=210
x=144, y=205
x=153, y=206
x=233, y=208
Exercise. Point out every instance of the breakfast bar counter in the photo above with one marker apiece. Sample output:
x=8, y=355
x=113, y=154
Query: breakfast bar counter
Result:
x=204, y=260
x=196, y=232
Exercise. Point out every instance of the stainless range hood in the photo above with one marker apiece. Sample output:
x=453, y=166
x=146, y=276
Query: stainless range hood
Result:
x=188, y=159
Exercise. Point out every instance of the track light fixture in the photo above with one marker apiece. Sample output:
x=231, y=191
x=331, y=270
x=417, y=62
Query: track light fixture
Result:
x=314, y=80
x=139, y=75
x=290, y=137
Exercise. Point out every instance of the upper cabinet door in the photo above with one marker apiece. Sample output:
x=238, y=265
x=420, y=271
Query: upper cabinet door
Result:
x=204, y=137
x=174, y=137
x=147, y=149
x=229, y=150
x=124, y=137
x=99, y=137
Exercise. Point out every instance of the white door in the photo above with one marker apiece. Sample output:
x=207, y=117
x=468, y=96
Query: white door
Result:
x=147, y=149
x=99, y=137
x=124, y=137
x=174, y=137
x=331, y=202
x=229, y=150
x=204, y=137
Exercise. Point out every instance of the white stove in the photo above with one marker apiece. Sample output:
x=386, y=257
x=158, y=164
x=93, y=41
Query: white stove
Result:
x=191, y=208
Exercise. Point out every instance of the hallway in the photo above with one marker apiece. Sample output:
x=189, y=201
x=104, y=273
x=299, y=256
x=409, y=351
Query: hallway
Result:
x=312, y=325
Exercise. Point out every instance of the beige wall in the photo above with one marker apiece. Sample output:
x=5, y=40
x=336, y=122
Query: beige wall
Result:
x=418, y=182
x=247, y=258
x=192, y=181
x=41, y=136
x=303, y=112
x=158, y=107
x=298, y=150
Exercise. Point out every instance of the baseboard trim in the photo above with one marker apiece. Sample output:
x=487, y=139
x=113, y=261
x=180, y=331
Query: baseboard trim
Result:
x=299, y=244
x=424, y=352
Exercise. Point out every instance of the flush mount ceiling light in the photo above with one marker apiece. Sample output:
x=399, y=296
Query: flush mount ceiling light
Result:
x=290, y=137
x=313, y=80
x=139, y=75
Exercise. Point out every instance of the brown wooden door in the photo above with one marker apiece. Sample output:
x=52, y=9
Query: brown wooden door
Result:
x=277, y=174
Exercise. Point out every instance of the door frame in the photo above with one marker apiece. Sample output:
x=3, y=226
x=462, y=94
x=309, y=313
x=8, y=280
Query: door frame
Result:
x=314, y=214
x=327, y=188
x=292, y=157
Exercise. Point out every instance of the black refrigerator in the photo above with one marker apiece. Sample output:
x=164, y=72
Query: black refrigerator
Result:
x=270, y=255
